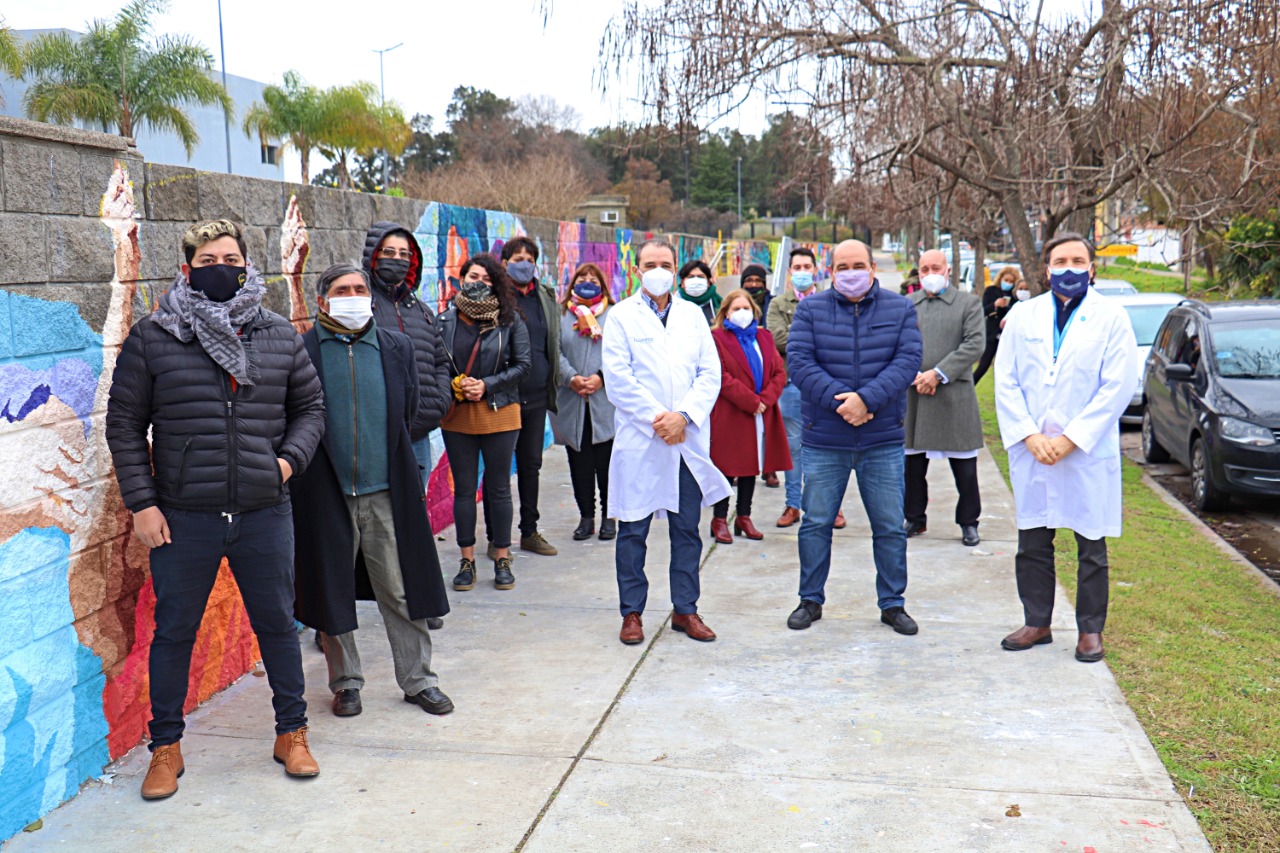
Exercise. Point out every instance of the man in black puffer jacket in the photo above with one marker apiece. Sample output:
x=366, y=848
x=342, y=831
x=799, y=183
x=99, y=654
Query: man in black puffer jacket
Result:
x=393, y=261
x=235, y=409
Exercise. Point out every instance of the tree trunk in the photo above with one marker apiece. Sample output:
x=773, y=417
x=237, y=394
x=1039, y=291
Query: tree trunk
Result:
x=955, y=259
x=1188, y=260
x=979, y=263
x=344, y=176
x=305, y=155
x=1024, y=242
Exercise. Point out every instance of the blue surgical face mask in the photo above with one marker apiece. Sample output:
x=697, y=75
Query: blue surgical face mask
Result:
x=802, y=281
x=522, y=272
x=1006, y=286
x=1069, y=282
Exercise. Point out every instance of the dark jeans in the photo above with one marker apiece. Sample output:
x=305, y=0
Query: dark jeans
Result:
x=963, y=471
x=588, y=468
x=528, y=453
x=259, y=547
x=1034, y=567
x=880, y=484
x=746, y=492
x=988, y=355
x=465, y=452
x=686, y=553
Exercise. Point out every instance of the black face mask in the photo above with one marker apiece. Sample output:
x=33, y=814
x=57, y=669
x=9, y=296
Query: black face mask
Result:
x=391, y=271
x=757, y=294
x=475, y=290
x=219, y=282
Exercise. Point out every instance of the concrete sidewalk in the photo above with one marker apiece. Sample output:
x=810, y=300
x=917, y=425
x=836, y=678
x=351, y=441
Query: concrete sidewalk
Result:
x=846, y=736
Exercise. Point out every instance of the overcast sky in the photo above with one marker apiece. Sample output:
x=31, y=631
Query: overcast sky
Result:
x=500, y=45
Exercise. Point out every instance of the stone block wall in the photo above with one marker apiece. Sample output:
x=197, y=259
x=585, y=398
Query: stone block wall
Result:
x=89, y=240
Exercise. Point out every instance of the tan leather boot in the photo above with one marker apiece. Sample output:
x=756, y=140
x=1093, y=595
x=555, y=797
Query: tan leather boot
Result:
x=162, y=775
x=292, y=751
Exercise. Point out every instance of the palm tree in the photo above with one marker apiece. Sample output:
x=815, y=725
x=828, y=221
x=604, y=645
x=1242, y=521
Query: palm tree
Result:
x=115, y=76
x=11, y=61
x=354, y=122
x=292, y=112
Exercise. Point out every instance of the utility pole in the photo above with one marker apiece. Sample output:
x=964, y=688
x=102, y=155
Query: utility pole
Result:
x=382, y=88
x=226, y=119
x=739, y=190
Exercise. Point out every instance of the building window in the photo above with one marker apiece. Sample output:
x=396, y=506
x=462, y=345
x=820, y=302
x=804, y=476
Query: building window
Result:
x=271, y=155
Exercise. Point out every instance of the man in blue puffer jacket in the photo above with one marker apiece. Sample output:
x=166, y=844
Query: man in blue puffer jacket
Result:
x=853, y=351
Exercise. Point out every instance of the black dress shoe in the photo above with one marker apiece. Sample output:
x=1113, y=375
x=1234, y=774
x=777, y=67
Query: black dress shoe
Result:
x=969, y=534
x=608, y=529
x=805, y=615
x=897, y=619
x=434, y=623
x=346, y=703
x=432, y=700
x=914, y=528
x=586, y=527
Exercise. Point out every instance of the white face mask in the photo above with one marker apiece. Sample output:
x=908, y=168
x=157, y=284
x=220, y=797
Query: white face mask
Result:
x=742, y=317
x=351, y=312
x=696, y=285
x=1022, y=295
x=934, y=283
x=657, y=281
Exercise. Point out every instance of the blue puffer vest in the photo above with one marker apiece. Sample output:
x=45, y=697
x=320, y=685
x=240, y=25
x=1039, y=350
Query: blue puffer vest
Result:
x=872, y=347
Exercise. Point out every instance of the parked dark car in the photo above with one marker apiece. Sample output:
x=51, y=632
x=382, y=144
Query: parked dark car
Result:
x=1213, y=398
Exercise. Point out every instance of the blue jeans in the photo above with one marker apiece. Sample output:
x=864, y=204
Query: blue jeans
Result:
x=686, y=553
x=789, y=405
x=258, y=546
x=880, y=484
x=422, y=452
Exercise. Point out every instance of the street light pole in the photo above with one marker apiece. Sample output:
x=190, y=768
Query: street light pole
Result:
x=382, y=87
x=226, y=119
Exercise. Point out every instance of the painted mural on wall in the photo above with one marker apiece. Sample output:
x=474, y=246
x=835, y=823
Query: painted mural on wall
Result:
x=76, y=601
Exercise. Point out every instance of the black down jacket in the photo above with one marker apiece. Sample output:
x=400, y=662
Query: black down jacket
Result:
x=212, y=449
x=399, y=309
x=503, y=361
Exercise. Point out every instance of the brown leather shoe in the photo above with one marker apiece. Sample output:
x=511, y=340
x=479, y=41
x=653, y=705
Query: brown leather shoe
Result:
x=692, y=625
x=1089, y=648
x=632, y=631
x=771, y=479
x=720, y=531
x=292, y=751
x=840, y=522
x=1026, y=637
x=789, y=516
x=743, y=527
x=162, y=775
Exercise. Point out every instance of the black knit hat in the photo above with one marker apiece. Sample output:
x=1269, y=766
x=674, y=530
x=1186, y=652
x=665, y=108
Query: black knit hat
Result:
x=754, y=270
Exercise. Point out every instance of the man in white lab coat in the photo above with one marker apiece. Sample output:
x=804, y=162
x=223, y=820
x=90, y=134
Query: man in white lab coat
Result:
x=662, y=374
x=1064, y=373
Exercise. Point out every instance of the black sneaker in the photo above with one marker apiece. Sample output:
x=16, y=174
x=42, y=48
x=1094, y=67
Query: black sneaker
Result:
x=466, y=577
x=897, y=619
x=434, y=623
x=805, y=615
x=586, y=527
x=608, y=529
x=502, y=577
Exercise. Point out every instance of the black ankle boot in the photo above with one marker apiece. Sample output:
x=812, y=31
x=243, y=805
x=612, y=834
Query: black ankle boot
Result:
x=586, y=527
x=608, y=529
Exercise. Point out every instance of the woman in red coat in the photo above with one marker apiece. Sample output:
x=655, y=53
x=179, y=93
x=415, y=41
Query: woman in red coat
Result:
x=747, y=433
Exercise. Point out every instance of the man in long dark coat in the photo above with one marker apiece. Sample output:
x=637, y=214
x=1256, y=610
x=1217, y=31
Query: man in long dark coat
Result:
x=360, y=515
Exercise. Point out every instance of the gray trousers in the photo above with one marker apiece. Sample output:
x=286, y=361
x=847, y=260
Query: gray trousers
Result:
x=375, y=534
x=1037, y=577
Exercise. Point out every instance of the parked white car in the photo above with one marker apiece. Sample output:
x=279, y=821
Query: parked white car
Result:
x=1113, y=287
x=1146, y=312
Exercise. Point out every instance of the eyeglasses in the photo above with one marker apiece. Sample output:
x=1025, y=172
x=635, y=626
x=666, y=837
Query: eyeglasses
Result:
x=402, y=254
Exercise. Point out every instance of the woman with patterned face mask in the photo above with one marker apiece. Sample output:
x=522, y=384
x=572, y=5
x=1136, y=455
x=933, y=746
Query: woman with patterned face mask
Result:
x=698, y=286
x=747, y=432
x=583, y=422
x=489, y=355
x=997, y=299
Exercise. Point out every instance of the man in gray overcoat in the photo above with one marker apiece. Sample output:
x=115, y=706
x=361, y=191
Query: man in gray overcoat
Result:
x=942, y=408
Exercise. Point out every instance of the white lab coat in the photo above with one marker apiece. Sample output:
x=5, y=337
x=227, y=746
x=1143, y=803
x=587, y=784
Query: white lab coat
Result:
x=1082, y=399
x=650, y=369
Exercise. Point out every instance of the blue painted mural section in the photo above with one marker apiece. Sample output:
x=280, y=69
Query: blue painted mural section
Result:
x=51, y=714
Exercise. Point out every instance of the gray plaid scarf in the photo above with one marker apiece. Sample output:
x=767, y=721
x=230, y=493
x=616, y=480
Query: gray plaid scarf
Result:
x=186, y=314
